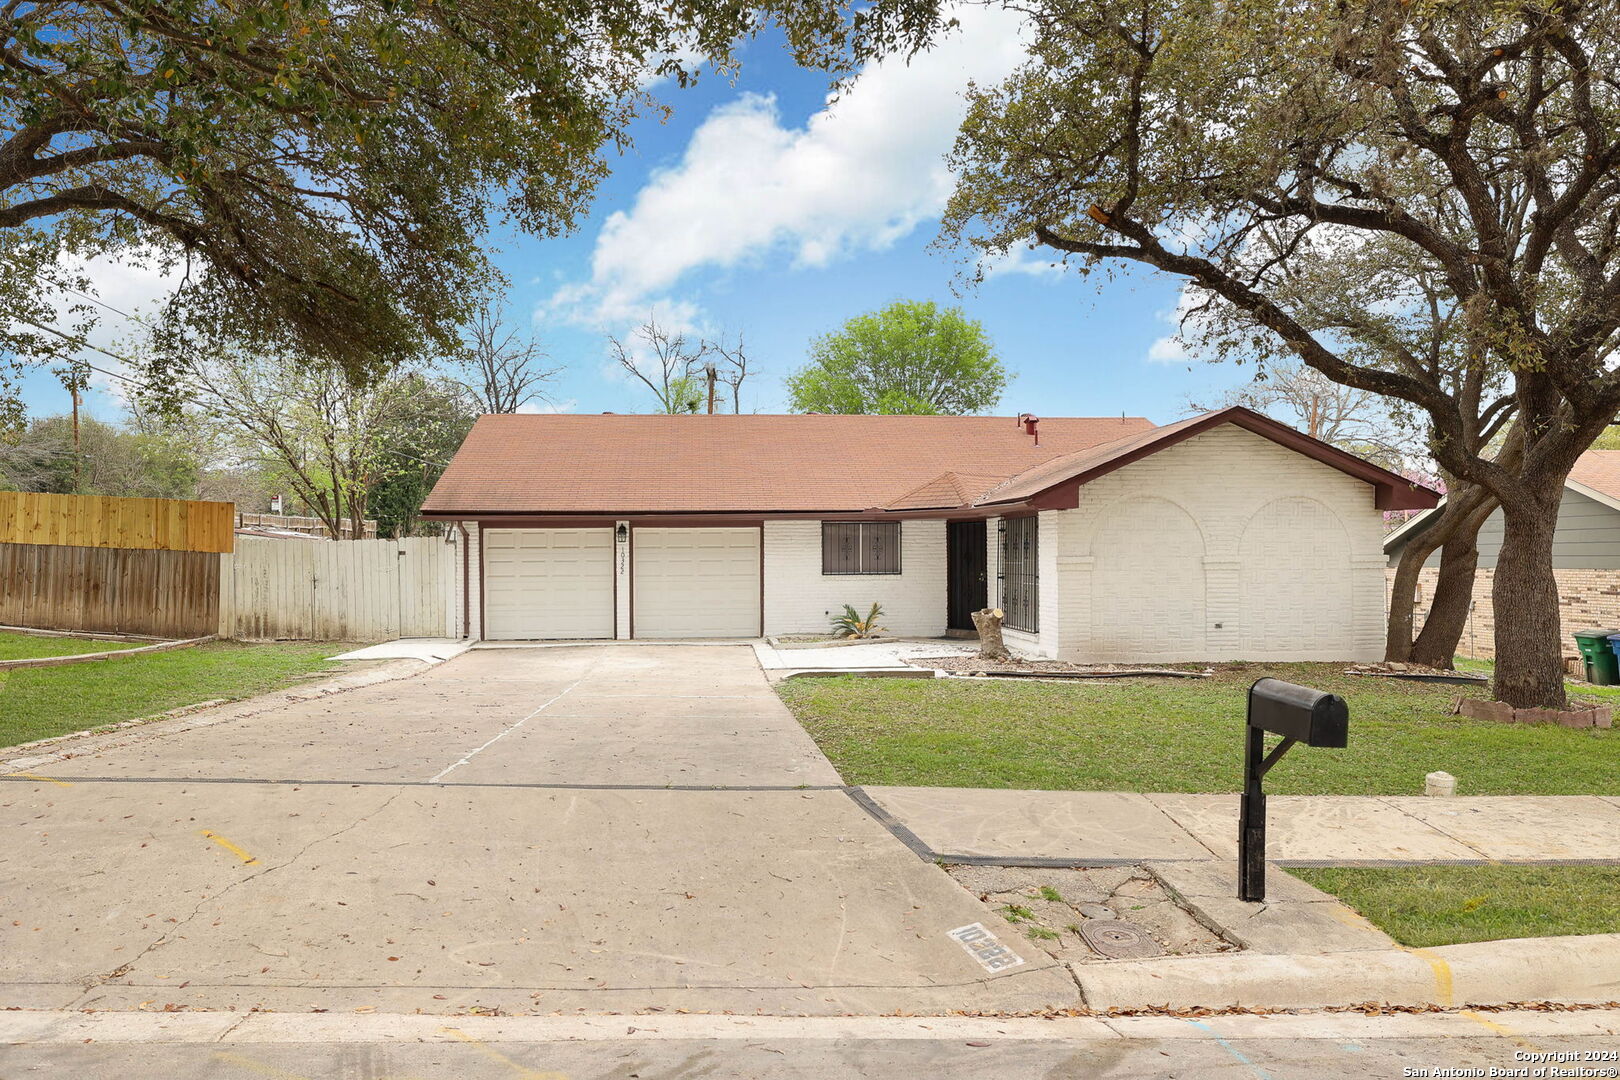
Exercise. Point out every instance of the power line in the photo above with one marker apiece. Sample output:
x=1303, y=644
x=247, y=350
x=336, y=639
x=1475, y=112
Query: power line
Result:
x=73, y=339
x=101, y=303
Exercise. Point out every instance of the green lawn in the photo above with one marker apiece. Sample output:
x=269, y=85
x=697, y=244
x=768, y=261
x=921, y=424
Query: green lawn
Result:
x=1182, y=735
x=1421, y=906
x=28, y=646
x=39, y=702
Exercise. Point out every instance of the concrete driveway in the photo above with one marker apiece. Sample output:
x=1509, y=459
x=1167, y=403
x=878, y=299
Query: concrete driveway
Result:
x=595, y=827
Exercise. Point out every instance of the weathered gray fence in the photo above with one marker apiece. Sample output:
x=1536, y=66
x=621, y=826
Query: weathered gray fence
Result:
x=351, y=590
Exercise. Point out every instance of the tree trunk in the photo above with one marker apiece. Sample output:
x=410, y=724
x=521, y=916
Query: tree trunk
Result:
x=1455, y=529
x=991, y=646
x=1529, y=654
x=1403, y=592
x=1436, y=645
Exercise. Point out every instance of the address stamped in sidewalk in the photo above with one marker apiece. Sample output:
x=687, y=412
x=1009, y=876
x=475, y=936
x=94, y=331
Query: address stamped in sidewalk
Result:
x=982, y=945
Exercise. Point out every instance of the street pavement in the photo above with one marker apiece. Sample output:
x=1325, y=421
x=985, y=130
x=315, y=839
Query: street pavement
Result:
x=676, y=1047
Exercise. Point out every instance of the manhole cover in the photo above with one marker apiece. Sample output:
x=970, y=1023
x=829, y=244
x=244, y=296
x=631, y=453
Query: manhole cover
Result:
x=1095, y=911
x=1119, y=940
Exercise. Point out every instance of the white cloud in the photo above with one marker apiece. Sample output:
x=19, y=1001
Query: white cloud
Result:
x=567, y=405
x=861, y=173
x=128, y=287
x=1172, y=347
x=1023, y=260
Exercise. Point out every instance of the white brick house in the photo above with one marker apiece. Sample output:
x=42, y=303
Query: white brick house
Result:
x=1227, y=536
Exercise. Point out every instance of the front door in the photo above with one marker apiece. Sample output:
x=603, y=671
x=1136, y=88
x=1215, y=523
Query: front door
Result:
x=964, y=573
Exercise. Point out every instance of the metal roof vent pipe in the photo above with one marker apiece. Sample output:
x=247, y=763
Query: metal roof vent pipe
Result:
x=1031, y=425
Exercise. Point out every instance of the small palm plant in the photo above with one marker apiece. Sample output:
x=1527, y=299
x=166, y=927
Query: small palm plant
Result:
x=851, y=625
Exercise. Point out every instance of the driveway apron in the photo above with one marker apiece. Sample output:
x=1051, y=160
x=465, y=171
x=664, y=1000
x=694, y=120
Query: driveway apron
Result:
x=612, y=828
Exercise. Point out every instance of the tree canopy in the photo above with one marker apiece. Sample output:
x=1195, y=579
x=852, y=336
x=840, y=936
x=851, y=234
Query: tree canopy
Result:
x=909, y=357
x=323, y=173
x=1445, y=164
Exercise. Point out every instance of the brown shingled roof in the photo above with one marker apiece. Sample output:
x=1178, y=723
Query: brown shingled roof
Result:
x=616, y=464
x=1600, y=471
x=947, y=490
x=639, y=464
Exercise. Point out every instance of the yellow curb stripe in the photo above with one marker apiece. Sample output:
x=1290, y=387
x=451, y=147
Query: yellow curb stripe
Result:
x=260, y=1067
x=228, y=846
x=44, y=779
x=489, y=1051
x=1355, y=920
x=1499, y=1029
x=1444, y=989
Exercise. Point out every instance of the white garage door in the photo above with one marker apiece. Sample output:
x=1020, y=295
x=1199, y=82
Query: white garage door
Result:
x=548, y=583
x=696, y=583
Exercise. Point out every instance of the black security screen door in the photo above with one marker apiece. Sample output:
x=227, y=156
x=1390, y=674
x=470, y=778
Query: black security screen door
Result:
x=1020, y=573
x=964, y=573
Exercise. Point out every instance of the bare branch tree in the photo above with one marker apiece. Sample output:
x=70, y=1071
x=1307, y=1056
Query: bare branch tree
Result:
x=1359, y=421
x=666, y=362
x=506, y=370
x=307, y=424
x=735, y=366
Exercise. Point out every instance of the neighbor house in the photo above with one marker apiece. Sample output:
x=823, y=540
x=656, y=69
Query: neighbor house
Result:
x=1225, y=536
x=1586, y=558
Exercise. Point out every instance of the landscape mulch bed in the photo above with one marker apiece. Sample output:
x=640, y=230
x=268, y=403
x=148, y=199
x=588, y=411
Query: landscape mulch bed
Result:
x=1418, y=673
x=973, y=665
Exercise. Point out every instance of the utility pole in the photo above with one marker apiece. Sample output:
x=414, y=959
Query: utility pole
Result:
x=77, y=457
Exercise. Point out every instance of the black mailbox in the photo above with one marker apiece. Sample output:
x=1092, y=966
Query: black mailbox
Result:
x=1300, y=715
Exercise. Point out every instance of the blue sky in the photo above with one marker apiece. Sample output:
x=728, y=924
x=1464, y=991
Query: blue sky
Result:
x=761, y=208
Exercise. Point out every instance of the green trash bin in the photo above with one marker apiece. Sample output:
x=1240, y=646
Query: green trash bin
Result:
x=1601, y=664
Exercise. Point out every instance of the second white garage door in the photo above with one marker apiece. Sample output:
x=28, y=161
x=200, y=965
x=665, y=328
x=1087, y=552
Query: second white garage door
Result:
x=548, y=583
x=696, y=583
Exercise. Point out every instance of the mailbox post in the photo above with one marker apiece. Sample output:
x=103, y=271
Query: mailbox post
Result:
x=1298, y=714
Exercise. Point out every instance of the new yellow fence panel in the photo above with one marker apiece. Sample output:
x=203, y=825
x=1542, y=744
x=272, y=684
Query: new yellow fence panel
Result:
x=106, y=521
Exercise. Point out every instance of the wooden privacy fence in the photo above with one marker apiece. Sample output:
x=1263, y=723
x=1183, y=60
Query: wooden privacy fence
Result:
x=103, y=521
x=111, y=565
x=169, y=594
x=350, y=590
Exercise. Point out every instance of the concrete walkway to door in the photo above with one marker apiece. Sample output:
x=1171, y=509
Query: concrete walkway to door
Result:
x=608, y=828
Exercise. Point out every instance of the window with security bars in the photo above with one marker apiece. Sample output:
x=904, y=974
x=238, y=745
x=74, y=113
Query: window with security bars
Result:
x=1020, y=574
x=860, y=547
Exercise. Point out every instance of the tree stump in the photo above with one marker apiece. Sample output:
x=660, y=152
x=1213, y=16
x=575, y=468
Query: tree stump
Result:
x=988, y=622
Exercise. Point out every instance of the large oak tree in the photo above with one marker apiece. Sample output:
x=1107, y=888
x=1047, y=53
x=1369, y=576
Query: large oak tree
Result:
x=324, y=172
x=1245, y=147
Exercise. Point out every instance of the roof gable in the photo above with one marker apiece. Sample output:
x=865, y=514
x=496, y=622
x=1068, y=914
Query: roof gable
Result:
x=1069, y=472
x=946, y=491
x=1596, y=475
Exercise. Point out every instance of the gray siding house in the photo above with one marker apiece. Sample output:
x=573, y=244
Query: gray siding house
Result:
x=1586, y=557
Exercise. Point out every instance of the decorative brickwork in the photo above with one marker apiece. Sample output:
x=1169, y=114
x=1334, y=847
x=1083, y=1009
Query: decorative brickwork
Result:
x=1223, y=547
x=1587, y=599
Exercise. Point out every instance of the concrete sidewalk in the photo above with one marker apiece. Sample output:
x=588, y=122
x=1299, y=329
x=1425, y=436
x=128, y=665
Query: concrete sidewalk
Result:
x=867, y=656
x=1100, y=827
